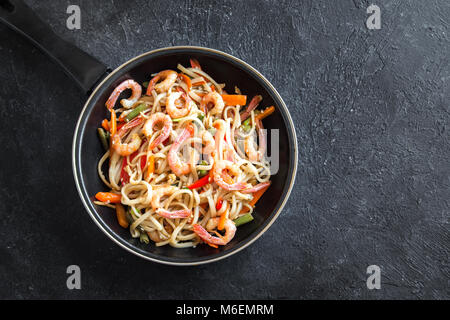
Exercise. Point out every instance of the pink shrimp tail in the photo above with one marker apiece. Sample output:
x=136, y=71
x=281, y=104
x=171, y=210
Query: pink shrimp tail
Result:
x=174, y=161
x=201, y=232
x=127, y=84
x=207, y=237
x=161, y=138
x=152, y=83
x=134, y=123
x=233, y=187
x=187, y=132
x=165, y=131
x=185, y=213
x=230, y=187
x=256, y=188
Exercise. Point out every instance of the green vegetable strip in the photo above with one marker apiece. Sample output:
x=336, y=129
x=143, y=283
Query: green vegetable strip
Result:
x=134, y=212
x=200, y=116
x=243, y=219
x=246, y=125
x=144, y=238
x=129, y=217
x=104, y=138
x=136, y=111
x=202, y=173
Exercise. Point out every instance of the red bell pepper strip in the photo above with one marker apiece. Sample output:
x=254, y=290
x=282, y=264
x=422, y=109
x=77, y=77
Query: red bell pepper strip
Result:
x=124, y=177
x=119, y=126
x=200, y=183
x=219, y=204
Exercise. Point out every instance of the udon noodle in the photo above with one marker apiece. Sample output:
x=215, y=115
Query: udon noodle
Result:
x=185, y=162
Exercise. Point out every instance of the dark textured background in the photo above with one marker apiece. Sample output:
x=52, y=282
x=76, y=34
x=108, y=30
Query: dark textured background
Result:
x=371, y=110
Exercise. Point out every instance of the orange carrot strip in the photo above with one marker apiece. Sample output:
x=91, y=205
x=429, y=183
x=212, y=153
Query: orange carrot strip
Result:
x=186, y=80
x=258, y=194
x=198, y=83
x=121, y=216
x=223, y=219
x=212, y=245
x=108, y=197
x=234, y=99
x=113, y=123
x=151, y=165
x=265, y=113
x=105, y=124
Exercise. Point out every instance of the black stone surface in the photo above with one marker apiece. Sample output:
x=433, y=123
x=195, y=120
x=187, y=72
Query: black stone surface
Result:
x=371, y=109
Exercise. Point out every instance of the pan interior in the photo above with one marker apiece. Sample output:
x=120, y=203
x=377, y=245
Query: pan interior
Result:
x=224, y=69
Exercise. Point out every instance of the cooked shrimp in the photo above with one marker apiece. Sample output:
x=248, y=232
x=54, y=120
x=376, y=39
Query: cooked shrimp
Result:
x=212, y=224
x=159, y=193
x=230, y=230
x=175, y=163
x=168, y=78
x=249, y=144
x=229, y=153
x=149, y=125
x=216, y=100
x=208, y=142
x=224, y=149
x=222, y=165
x=258, y=187
x=125, y=149
x=185, y=213
x=136, y=91
x=172, y=109
x=129, y=125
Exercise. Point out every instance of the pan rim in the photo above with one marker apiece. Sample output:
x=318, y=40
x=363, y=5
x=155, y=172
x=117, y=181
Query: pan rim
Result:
x=76, y=155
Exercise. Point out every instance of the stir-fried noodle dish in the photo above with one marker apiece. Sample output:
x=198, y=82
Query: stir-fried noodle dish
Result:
x=185, y=162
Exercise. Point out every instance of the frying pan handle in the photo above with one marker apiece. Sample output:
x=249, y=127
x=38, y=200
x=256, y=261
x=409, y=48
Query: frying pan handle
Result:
x=83, y=68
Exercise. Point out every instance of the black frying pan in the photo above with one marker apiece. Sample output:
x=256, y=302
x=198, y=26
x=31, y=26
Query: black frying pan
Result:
x=98, y=82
